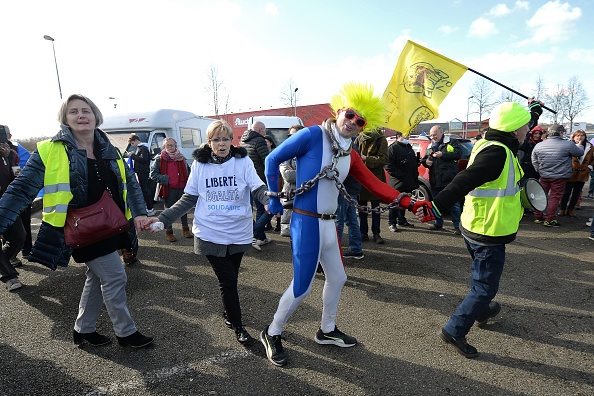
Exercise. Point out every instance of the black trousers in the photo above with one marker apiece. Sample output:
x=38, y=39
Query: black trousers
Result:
x=26, y=219
x=227, y=271
x=12, y=242
x=143, y=181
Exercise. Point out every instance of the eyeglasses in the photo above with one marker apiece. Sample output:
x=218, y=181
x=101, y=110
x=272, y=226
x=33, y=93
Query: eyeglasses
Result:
x=350, y=114
x=217, y=140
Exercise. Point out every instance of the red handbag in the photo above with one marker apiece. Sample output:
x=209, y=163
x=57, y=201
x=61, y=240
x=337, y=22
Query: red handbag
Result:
x=94, y=223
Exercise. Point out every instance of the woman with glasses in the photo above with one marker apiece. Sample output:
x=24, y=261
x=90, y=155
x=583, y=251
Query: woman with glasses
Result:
x=170, y=170
x=581, y=172
x=221, y=180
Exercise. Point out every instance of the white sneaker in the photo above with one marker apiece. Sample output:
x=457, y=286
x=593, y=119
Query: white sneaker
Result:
x=13, y=284
x=255, y=244
x=150, y=212
x=589, y=223
x=285, y=230
x=262, y=242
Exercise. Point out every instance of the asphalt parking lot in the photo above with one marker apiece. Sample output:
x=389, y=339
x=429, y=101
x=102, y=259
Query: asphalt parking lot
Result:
x=395, y=302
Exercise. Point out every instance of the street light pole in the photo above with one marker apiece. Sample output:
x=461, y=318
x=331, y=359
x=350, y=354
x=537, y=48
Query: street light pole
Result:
x=295, y=102
x=56, y=62
x=467, y=111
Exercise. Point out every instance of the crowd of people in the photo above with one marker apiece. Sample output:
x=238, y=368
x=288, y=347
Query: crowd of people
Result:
x=345, y=170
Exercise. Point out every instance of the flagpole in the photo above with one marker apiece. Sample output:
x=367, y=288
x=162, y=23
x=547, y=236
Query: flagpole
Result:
x=508, y=88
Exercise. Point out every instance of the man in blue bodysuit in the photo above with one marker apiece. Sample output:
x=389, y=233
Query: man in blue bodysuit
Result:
x=324, y=149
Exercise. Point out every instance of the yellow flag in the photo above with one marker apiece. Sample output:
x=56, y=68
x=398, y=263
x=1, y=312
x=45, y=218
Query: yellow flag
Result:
x=421, y=81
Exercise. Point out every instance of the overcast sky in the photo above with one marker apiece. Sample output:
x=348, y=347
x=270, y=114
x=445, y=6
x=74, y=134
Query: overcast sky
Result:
x=153, y=54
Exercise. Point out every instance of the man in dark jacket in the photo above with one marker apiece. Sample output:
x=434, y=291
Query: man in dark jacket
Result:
x=373, y=148
x=491, y=217
x=14, y=237
x=142, y=167
x=403, y=169
x=442, y=160
x=255, y=144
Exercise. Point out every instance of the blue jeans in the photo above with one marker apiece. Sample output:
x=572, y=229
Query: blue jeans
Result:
x=487, y=267
x=455, y=211
x=346, y=213
x=591, y=185
x=592, y=228
x=262, y=218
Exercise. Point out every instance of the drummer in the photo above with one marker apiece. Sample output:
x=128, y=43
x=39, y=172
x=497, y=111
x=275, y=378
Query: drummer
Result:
x=490, y=218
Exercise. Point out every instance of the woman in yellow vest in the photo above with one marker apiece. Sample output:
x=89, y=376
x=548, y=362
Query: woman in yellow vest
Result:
x=74, y=168
x=490, y=218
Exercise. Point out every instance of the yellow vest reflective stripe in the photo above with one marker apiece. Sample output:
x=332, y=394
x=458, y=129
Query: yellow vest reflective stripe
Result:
x=494, y=209
x=56, y=182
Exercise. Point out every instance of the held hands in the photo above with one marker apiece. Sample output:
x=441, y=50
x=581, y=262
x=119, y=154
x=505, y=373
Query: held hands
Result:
x=425, y=211
x=274, y=206
x=146, y=222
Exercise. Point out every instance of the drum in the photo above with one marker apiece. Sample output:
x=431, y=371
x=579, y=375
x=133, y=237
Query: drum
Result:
x=533, y=196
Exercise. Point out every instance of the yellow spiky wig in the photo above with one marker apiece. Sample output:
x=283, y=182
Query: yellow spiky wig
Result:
x=360, y=98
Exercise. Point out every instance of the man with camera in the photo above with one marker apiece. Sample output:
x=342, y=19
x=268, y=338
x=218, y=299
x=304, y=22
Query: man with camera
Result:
x=442, y=160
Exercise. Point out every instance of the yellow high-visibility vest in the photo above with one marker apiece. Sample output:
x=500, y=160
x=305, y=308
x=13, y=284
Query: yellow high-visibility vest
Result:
x=56, y=182
x=495, y=209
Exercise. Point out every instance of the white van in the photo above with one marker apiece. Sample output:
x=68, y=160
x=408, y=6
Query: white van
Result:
x=276, y=126
x=188, y=130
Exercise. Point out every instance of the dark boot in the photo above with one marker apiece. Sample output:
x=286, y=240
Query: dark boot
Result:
x=187, y=232
x=135, y=340
x=169, y=236
x=129, y=257
x=94, y=339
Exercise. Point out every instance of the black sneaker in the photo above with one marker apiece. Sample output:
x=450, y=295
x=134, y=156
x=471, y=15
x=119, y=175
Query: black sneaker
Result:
x=335, y=337
x=406, y=224
x=460, y=344
x=227, y=323
x=494, y=309
x=435, y=227
x=274, y=348
x=378, y=239
x=364, y=237
x=357, y=256
x=242, y=335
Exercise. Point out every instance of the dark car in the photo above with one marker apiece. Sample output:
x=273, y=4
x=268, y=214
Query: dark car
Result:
x=419, y=145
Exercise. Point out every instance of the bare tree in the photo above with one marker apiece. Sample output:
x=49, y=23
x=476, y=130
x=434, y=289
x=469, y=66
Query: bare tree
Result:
x=508, y=96
x=556, y=102
x=482, y=90
x=289, y=95
x=216, y=88
x=540, y=89
x=576, y=100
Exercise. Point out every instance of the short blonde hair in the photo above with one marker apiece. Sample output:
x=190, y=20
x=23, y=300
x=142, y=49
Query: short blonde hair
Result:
x=220, y=127
x=64, y=109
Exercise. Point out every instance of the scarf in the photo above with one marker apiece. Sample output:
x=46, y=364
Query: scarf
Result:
x=175, y=156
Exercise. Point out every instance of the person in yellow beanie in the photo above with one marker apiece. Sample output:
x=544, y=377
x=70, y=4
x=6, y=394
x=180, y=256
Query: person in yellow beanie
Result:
x=490, y=218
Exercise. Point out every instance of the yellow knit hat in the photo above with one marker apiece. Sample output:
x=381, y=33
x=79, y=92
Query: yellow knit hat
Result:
x=508, y=117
